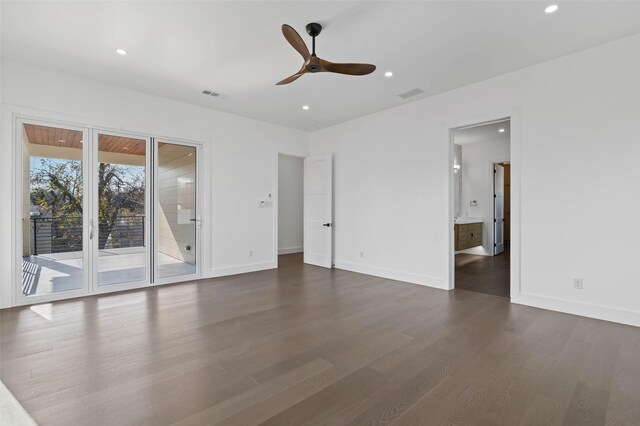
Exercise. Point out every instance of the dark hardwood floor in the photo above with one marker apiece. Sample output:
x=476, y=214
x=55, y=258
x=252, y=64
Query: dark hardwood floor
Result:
x=483, y=274
x=303, y=345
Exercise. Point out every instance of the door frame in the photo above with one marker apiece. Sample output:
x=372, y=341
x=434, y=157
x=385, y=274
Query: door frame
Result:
x=154, y=212
x=513, y=115
x=17, y=299
x=494, y=222
x=14, y=117
x=276, y=202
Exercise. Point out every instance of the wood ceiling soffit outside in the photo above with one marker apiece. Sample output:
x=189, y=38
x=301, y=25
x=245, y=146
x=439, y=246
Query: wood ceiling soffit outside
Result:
x=53, y=136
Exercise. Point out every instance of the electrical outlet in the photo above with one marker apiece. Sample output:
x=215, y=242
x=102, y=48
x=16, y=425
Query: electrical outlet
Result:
x=250, y=253
x=361, y=255
x=578, y=284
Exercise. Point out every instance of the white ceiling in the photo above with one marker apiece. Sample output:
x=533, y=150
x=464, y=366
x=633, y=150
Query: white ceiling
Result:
x=485, y=133
x=179, y=48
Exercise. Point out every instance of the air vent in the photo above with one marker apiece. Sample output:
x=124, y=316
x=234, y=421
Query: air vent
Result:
x=411, y=93
x=210, y=93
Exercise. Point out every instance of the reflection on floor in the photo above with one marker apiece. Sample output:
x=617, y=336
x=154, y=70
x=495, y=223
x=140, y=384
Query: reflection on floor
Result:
x=169, y=266
x=483, y=274
x=55, y=272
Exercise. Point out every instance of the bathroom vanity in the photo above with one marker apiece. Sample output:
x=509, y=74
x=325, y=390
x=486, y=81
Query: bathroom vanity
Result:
x=468, y=233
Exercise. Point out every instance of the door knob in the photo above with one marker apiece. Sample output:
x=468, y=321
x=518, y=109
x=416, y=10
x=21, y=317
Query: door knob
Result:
x=326, y=224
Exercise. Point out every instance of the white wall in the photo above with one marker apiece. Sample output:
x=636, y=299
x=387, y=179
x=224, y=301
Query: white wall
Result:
x=290, y=204
x=477, y=184
x=240, y=159
x=574, y=166
x=574, y=163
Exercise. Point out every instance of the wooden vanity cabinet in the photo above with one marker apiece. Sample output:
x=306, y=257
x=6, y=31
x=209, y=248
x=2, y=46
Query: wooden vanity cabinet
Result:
x=467, y=235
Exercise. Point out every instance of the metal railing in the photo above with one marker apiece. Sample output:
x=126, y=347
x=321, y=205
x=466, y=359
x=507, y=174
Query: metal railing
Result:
x=64, y=234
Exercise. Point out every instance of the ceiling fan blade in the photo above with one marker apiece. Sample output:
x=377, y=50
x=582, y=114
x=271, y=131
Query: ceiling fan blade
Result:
x=292, y=78
x=296, y=41
x=350, y=69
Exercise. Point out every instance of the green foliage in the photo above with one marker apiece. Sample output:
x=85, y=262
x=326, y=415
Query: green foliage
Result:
x=56, y=188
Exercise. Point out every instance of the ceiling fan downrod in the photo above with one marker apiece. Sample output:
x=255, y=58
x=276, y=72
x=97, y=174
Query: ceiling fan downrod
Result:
x=313, y=29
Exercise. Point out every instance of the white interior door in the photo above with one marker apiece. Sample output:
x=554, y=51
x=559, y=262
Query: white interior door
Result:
x=318, y=210
x=498, y=209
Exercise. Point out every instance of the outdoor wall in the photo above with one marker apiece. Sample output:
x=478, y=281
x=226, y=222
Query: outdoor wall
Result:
x=177, y=201
x=573, y=172
x=239, y=159
x=290, y=204
x=477, y=184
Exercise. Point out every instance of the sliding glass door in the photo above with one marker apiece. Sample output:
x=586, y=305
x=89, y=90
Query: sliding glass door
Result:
x=120, y=210
x=52, y=191
x=177, y=217
x=102, y=211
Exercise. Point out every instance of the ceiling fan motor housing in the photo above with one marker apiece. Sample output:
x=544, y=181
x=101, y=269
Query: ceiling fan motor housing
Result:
x=313, y=68
x=314, y=29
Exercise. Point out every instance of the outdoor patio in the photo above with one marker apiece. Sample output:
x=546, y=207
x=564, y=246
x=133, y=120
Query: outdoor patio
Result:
x=56, y=272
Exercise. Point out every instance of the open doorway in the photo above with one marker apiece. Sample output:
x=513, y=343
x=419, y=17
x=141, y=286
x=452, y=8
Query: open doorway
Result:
x=482, y=207
x=290, y=209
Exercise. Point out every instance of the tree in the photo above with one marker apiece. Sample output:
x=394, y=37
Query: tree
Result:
x=56, y=188
x=120, y=192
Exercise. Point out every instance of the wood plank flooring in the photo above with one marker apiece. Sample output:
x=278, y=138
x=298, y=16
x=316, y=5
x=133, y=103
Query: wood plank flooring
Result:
x=303, y=345
x=483, y=274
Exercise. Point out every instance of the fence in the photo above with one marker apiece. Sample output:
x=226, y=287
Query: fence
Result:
x=64, y=234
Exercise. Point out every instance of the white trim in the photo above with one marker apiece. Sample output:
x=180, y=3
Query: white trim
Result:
x=589, y=310
x=242, y=269
x=516, y=169
x=17, y=299
x=14, y=116
x=65, y=119
x=276, y=207
x=290, y=250
x=392, y=274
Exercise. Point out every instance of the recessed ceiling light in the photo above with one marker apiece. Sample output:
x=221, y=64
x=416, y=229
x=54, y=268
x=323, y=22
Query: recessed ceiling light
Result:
x=121, y=52
x=388, y=74
x=501, y=130
x=305, y=107
x=551, y=9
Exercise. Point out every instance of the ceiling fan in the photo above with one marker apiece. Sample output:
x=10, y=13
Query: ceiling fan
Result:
x=312, y=63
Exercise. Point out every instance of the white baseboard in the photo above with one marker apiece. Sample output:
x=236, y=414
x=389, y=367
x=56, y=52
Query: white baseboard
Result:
x=290, y=250
x=600, y=312
x=241, y=269
x=392, y=274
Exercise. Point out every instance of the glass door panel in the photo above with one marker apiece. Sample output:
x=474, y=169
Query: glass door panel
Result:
x=176, y=210
x=121, y=206
x=53, y=209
